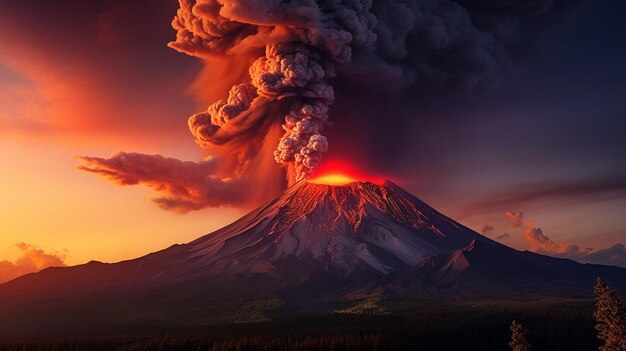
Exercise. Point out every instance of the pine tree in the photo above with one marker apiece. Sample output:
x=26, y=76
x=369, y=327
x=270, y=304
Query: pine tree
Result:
x=610, y=318
x=518, y=338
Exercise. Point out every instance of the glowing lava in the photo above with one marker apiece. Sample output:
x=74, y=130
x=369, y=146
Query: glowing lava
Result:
x=339, y=173
x=332, y=179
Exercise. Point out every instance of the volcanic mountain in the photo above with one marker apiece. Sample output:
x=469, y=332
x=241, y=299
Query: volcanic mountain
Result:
x=315, y=248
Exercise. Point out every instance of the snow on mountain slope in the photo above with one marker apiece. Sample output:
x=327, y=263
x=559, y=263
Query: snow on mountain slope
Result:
x=314, y=248
x=360, y=223
x=343, y=230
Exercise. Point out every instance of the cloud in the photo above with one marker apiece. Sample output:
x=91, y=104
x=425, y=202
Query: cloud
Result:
x=122, y=82
x=32, y=259
x=516, y=219
x=611, y=187
x=614, y=255
x=293, y=53
x=487, y=229
x=503, y=236
x=541, y=243
x=182, y=186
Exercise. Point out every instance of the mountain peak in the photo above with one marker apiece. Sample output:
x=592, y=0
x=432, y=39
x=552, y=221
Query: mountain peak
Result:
x=346, y=226
x=314, y=246
x=349, y=203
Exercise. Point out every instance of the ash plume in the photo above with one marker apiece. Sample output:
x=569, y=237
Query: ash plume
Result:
x=270, y=73
x=490, y=231
x=294, y=50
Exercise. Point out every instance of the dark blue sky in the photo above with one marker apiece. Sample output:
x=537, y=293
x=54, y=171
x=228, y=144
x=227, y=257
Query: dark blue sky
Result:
x=560, y=125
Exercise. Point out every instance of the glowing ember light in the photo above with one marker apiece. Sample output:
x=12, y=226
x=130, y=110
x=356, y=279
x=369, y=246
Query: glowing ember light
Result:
x=332, y=179
x=338, y=172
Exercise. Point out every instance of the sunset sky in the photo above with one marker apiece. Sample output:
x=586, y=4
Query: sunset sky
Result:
x=94, y=78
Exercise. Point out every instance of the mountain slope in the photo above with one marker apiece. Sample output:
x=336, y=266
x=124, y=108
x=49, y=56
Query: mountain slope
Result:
x=314, y=248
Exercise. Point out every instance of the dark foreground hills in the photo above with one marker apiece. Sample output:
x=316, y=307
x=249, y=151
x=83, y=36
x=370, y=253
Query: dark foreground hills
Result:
x=360, y=261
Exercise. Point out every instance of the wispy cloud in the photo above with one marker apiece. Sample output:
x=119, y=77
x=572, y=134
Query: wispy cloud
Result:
x=490, y=231
x=487, y=229
x=591, y=189
x=541, y=243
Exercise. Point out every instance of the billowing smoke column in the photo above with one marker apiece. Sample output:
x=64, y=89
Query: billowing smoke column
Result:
x=287, y=70
x=269, y=65
x=303, y=42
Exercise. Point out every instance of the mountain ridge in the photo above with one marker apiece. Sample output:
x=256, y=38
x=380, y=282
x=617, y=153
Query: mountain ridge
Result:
x=312, y=249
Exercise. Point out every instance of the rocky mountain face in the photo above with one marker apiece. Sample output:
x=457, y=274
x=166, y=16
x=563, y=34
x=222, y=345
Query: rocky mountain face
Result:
x=315, y=248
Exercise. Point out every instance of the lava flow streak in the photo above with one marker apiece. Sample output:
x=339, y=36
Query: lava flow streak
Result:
x=349, y=201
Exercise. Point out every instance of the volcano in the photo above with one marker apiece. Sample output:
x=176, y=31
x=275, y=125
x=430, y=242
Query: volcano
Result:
x=315, y=248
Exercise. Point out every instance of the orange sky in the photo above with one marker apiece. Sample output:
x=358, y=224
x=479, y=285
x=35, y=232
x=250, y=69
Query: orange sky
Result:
x=47, y=202
x=105, y=82
x=96, y=93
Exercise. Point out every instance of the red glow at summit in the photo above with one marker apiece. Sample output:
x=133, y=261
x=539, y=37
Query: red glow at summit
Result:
x=337, y=172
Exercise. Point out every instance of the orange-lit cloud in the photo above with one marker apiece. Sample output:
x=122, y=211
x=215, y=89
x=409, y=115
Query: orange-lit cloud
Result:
x=32, y=259
x=541, y=243
x=182, y=185
x=116, y=82
x=116, y=77
x=538, y=241
x=296, y=50
x=516, y=219
x=503, y=236
x=589, y=189
x=489, y=230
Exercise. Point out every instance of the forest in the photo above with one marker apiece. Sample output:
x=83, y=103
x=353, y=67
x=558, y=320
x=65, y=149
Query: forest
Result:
x=555, y=326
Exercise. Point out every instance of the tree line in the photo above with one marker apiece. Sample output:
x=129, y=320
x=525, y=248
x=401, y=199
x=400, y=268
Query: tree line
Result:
x=610, y=317
x=569, y=327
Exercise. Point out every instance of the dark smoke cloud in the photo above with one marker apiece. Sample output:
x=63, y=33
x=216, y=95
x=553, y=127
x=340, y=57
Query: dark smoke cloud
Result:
x=614, y=255
x=489, y=230
x=541, y=243
x=295, y=49
x=271, y=68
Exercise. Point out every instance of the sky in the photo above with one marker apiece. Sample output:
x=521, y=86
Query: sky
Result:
x=535, y=161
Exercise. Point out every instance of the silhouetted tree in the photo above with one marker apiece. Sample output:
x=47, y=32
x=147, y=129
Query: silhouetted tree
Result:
x=610, y=318
x=518, y=338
